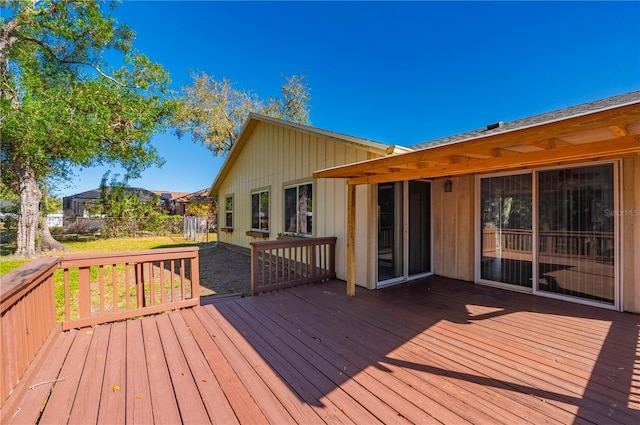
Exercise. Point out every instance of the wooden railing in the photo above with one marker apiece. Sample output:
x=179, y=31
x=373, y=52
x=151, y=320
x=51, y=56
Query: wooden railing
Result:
x=566, y=243
x=97, y=288
x=291, y=262
x=105, y=287
x=27, y=319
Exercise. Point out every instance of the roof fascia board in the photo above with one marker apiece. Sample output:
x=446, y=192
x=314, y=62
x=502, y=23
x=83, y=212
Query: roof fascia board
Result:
x=537, y=124
x=493, y=139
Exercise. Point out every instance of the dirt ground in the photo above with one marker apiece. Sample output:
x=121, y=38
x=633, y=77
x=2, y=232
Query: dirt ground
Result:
x=224, y=270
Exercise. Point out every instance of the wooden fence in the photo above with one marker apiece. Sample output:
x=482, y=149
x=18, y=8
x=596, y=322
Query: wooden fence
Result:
x=291, y=262
x=97, y=288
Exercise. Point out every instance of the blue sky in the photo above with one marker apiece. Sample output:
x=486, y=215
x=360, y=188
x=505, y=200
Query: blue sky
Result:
x=394, y=72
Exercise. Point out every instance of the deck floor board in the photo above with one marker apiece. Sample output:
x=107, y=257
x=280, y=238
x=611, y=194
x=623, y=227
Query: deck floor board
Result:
x=64, y=391
x=87, y=401
x=163, y=398
x=197, y=349
x=138, y=391
x=431, y=351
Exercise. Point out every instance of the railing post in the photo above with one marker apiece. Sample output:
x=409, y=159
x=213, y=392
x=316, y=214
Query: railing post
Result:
x=195, y=277
x=254, y=270
x=332, y=257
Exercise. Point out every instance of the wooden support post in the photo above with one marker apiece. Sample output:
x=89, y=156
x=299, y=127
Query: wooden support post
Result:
x=351, y=240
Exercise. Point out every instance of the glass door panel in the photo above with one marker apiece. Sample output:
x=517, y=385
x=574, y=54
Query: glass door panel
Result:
x=390, y=231
x=576, y=236
x=419, y=227
x=506, y=223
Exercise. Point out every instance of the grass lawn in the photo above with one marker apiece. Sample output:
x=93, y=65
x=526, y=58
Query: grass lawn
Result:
x=8, y=264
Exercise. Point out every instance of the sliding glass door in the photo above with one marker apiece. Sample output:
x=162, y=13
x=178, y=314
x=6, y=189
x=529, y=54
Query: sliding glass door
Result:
x=576, y=247
x=390, y=231
x=404, y=231
x=506, y=238
x=554, y=228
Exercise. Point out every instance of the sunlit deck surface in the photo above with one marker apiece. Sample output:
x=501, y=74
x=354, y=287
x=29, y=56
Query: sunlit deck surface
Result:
x=435, y=350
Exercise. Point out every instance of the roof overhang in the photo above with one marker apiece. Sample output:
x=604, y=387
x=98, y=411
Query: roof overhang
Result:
x=599, y=135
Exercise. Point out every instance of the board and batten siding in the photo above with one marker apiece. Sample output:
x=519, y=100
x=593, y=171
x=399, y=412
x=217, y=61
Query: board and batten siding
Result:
x=630, y=222
x=276, y=157
x=453, y=227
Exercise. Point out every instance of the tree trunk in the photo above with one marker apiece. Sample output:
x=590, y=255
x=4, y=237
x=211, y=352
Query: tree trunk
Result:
x=47, y=243
x=29, y=216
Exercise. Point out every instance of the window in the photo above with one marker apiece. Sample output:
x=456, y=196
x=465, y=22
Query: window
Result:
x=228, y=211
x=298, y=209
x=260, y=211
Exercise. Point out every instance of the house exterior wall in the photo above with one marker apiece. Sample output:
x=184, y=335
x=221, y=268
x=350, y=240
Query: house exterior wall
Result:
x=630, y=222
x=275, y=157
x=454, y=230
x=453, y=227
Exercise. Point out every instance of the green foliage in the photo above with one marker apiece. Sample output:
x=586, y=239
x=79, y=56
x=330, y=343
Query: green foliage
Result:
x=49, y=204
x=62, y=104
x=59, y=106
x=199, y=208
x=213, y=111
x=172, y=225
x=126, y=214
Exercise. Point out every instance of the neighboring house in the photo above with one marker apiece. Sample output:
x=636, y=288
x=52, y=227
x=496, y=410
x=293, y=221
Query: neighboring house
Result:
x=169, y=201
x=74, y=205
x=181, y=204
x=265, y=187
x=548, y=205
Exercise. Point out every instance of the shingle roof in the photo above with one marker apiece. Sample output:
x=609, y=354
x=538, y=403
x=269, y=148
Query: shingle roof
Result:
x=598, y=105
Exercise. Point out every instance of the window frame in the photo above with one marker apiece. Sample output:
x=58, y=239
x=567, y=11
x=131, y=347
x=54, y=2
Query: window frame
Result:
x=260, y=192
x=297, y=186
x=228, y=212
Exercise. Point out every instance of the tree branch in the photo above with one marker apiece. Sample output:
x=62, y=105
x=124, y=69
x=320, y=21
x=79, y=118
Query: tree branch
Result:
x=74, y=62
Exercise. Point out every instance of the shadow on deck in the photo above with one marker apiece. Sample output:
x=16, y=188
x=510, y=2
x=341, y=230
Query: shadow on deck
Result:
x=434, y=350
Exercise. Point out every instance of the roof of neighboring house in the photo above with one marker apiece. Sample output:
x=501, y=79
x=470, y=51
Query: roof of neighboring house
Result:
x=253, y=119
x=95, y=193
x=200, y=195
x=547, y=117
x=169, y=195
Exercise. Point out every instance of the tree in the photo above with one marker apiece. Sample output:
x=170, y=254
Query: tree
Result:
x=124, y=210
x=60, y=103
x=213, y=111
x=199, y=208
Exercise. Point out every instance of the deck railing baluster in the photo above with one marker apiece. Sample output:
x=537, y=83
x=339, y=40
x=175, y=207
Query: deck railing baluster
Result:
x=152, y=285
x=101, y=283
x=291, y=262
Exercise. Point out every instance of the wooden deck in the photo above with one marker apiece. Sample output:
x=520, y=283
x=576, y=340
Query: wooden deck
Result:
x=433, y=351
